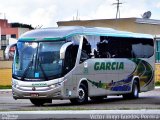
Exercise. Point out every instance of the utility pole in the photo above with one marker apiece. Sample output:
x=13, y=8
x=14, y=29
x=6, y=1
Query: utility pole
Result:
x=118, y=10
x=77, y=16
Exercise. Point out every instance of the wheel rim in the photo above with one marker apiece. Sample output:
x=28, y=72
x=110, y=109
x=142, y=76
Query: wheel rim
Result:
x=81, y=93
x=136, y=91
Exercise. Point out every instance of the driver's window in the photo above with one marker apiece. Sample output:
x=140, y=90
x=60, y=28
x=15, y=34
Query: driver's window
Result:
x=70, y=57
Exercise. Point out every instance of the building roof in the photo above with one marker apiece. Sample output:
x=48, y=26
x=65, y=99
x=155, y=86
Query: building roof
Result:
x=63, y=32
x=137, y=20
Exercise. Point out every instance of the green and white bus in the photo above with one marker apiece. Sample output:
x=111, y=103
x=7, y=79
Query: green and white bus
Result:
x=78, y=63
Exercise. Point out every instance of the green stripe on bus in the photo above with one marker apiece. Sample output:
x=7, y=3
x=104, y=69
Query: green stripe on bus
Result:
x=27, y=39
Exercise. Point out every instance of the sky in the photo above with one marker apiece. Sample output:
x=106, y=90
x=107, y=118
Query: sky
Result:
x=45, y=13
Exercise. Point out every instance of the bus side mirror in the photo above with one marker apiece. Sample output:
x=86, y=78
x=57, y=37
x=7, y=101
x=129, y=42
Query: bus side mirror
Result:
x=63, y=49
x=9, y=51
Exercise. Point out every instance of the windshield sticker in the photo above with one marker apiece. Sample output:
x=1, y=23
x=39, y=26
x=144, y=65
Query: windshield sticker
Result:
x=36, y=75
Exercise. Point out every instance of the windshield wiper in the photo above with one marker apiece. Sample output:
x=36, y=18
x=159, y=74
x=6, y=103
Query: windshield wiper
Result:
x=40, y=65
x=26, y=70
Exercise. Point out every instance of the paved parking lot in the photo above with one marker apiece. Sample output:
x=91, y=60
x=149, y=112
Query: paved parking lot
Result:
x=147, y=100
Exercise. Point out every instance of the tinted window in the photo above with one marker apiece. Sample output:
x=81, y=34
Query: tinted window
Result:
x=114, y=47
x=86, y=50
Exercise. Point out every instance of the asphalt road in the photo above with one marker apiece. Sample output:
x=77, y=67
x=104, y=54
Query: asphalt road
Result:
x=147, y=100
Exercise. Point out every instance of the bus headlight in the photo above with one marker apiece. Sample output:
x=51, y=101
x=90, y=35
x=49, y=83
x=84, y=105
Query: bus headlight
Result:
x=55, y=85
x=52, y=86
x=15, y=84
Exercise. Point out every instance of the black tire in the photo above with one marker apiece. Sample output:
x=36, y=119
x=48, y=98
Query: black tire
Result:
x=83, y=95
x=40, y=102
x=135, y=92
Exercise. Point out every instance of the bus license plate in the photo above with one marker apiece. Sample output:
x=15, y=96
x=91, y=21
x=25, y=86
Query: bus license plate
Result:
x=34, y=94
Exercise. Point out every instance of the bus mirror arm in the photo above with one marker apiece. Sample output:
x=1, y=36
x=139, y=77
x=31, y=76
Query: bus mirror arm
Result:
x=7, y=50
x=63, y=49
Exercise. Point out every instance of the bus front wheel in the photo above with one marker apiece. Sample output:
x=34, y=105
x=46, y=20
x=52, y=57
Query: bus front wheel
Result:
x=82, y=95
x=135, y=91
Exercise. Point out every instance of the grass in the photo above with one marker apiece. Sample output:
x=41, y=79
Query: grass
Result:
x=5, y=86
x=157, y=83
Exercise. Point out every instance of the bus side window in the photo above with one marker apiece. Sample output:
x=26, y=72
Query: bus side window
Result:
x=143, y=48
x=86, y=47
x=86, y=51
x=102, y=48
x=125, y=50
x=121, y=47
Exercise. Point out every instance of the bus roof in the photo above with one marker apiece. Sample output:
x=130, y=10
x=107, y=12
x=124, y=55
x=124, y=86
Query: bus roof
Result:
x=157, y=36
x=64, y=32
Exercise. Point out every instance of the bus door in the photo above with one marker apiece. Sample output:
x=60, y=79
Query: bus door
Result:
x=69, y=53
x=84, y=68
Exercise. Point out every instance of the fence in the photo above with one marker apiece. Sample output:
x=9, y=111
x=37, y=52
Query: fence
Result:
x=5, y=72
x=5, y=76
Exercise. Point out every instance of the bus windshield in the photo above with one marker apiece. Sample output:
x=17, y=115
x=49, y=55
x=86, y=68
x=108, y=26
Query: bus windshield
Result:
x=37, y=60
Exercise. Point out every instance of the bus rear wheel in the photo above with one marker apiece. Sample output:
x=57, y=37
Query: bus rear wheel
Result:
x=135, y=91
x=82, y=95
x=40, y=102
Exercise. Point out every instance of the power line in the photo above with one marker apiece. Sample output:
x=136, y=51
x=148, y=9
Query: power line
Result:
x=118, y=10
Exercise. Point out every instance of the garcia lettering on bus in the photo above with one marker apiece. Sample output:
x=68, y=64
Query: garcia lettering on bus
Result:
x=108, y=66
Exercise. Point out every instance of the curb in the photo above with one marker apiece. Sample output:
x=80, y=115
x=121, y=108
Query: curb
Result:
x=5, y=90
x=157, y=87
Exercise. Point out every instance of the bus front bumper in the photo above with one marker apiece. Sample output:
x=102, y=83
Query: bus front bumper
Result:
x=49, y=92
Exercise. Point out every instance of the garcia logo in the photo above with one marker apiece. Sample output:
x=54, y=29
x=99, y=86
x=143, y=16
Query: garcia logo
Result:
x=39, y=84
x=108, y=66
